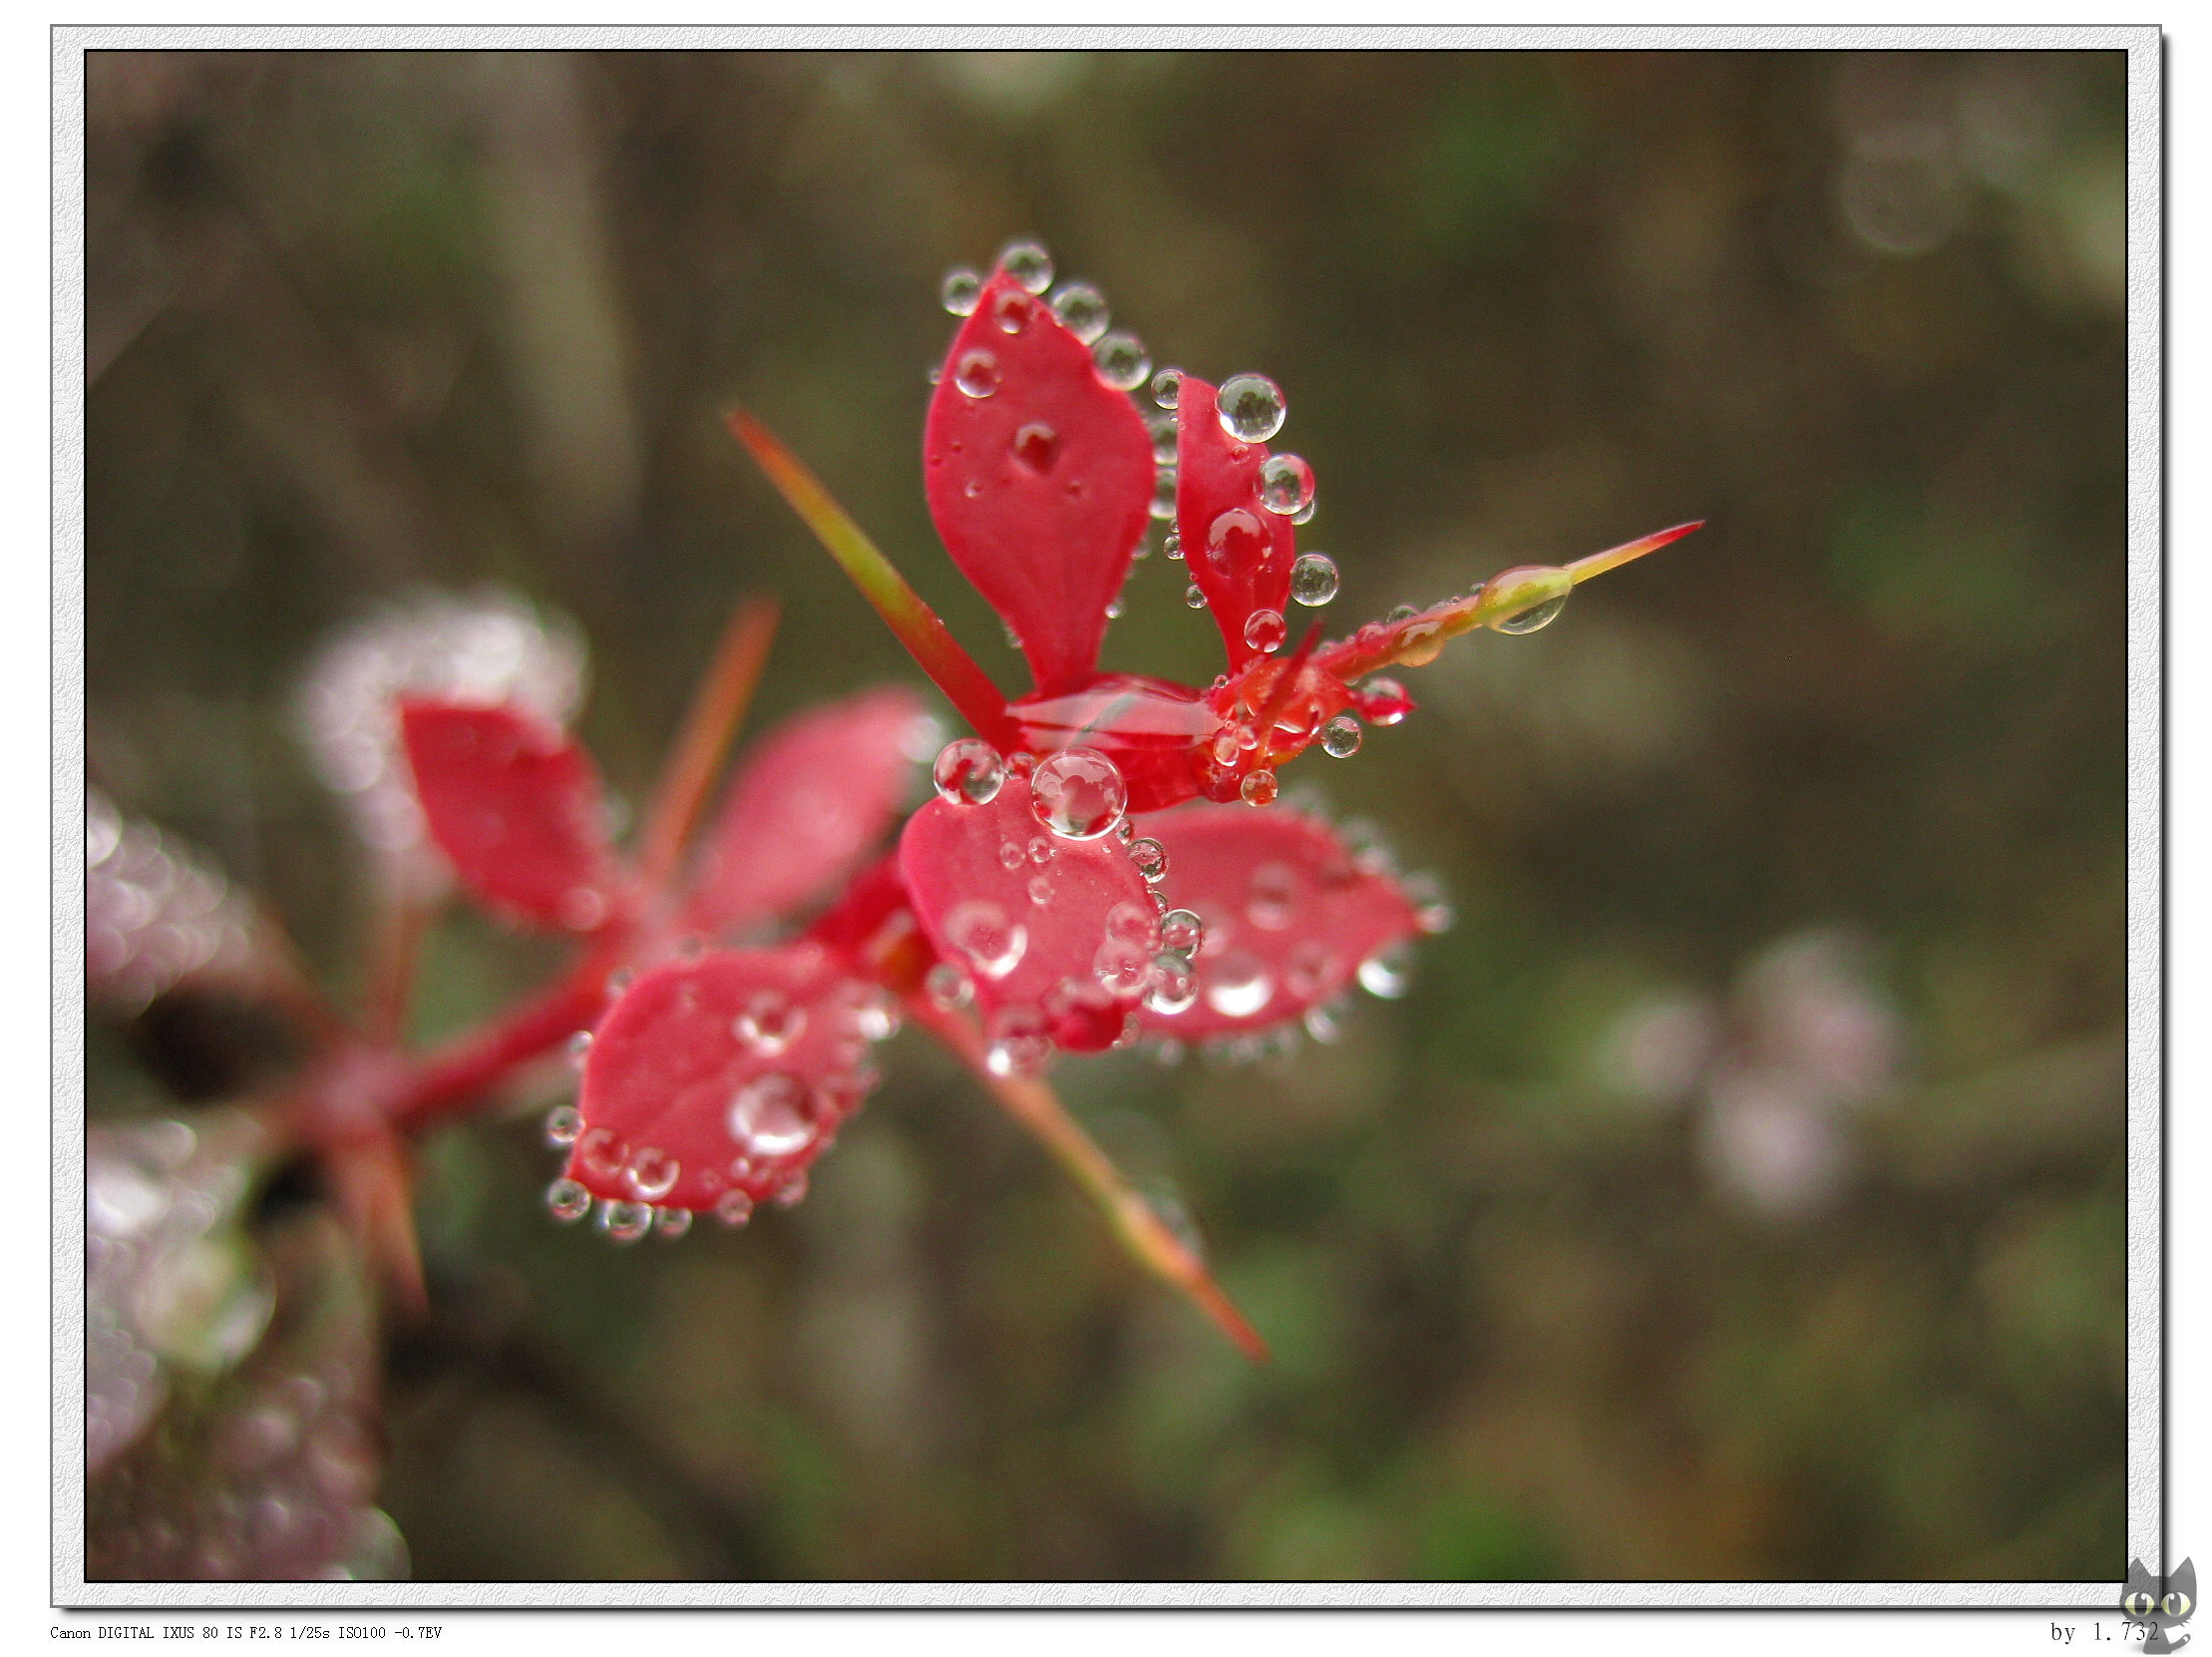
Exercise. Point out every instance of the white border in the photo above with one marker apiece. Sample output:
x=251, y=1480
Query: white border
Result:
x=2145, y=843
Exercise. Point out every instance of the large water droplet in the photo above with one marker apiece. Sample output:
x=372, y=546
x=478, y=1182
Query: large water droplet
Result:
x=1194, y=597
x=1234, y=541
x=1264, y=631
x=1122, y=361
x=1251, y=407
x=1173, y=986
x=1385, y=700
x=1237, y=986
x=1259, y=788
x=562, y=1124
x=948, y=987
x=961, y=289
x=1341, y=737
x=1421, y=642
x=1151, y=859
x=981, y=931
x=1388, y=973
x=1314, y=579
x=626, y=1222
x=968, y=772
x=568, y=1201
x=1081, y=309
x=651, y=1174
x=1028, y=263
x=1286, y=484
x=1528, y=597
x=770, y=1023
x=1182, y=932
x=1166, y=387
x=771, y=1116
x=1171, y=547
x=976, y=373
x=1021, y=1044
x=1077, y=793
x=1037, y=446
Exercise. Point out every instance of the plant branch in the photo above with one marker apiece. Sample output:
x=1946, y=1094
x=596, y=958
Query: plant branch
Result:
x=717, y=709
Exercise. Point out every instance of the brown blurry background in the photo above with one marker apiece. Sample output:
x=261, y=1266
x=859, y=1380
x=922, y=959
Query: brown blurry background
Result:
x=1738, y=1191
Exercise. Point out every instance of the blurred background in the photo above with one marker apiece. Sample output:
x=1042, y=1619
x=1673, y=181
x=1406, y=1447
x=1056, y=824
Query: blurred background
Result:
x=1737, y=1192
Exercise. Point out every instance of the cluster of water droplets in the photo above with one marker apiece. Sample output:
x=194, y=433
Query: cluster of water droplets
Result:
x=492, y=647
x=154, y=912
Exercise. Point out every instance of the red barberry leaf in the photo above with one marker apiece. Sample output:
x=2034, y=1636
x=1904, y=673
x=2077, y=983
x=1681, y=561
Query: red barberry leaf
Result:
x=1054, y=934
x=872, y=926
x=1238, y=553
x=727, y=1073
x=1040, y=487
x=514, y=805
x=1289, y=915
x=805, y=805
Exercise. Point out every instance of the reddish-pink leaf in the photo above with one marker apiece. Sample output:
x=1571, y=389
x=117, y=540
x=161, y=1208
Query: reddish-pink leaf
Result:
x=1289, y=915
x=728, y=1072
x=1039, y=476
x=1238, y=553
x=807, y=803
x=1054, y=934
x=514, y=805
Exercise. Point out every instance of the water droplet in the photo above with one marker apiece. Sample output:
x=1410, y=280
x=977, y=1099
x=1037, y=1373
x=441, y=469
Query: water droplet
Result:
x=1012, y=311
x=1037, y=446
x=1314, y=579
x=1400, y=612
x=600, y=1152
x=1273, y=901
x=1286, y=484
x=1324, y=1023
x=771, y=1116
x=1259, y=788
x=1251, y=407
x=1125, y=831
x=579, y=1048
x=1041, y=890
x=1385, y=702
x=562, y=1124
x=1239, y=987
x=1309, y=970
x=1028, y=263
x=1182, y=932
x=981, y=931
x=1151, y=859
x=1304, y=514
x=769, y=1023
x=1236, y=542
x=874, y=1011
x=1022, y=763
x=733, y=1209
x=672, y=1223
x=1264, y=631
x=652, y=1173
x=1341, y=737
x=1166, y=387
x=1193, y=596
x=1123, y=968
x=961, y=289
x=1077, y=793
x=1421, y=642
x=620, y=980
x=1388, y=973
x=1173, y=986
x=1010, y=855
x=968, y=772
x=1122, y=361
x=1114, y=607
x=1163, y=429
x=1432, y=910
x=1528, y=597
x=1040, y=849
x=1013, y=639
x=1171, y=547
x=581, y=909
x=792, y=1192
x=1081, y=309
x=1163, y=493
x=976, y=373
x=948, y=987
x=1134, y=922
x=568, y=1201
x=1019, y=1042
x=626, y=1222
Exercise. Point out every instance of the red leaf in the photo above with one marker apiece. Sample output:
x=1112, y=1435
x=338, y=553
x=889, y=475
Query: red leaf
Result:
x=1041, y=489
x=1155, y=732
x=514, y=805
x=1289, y=915
x=729, y=1072
x=807, y=803
x=1032, y=933
x=1238, y=553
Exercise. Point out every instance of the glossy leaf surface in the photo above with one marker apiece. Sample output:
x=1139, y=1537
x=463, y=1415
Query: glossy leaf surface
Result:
x=1238, y=553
